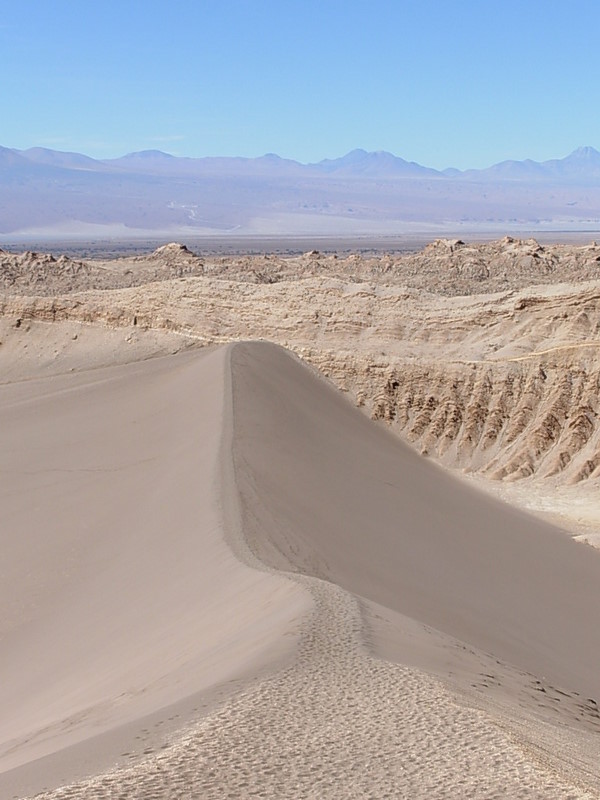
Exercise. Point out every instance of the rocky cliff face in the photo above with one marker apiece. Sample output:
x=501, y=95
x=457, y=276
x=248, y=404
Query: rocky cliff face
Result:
x=506, y=420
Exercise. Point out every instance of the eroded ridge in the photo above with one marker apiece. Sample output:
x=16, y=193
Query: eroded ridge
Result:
x=504, y=385
x=534, y=416
x=448, y=267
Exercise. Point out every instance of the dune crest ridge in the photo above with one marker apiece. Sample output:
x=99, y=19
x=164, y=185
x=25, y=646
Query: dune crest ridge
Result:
x=246, y=444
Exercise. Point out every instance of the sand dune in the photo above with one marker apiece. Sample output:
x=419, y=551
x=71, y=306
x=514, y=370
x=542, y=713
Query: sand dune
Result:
x=212, y=561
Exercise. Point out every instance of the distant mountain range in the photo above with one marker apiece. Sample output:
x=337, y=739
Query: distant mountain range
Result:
x=48, y=192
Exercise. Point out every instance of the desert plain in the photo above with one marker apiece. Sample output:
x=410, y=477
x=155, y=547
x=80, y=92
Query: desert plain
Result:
x=318, y=525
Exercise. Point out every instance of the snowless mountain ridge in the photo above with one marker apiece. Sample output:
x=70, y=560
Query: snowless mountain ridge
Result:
x=48, y=193
x=583, y=162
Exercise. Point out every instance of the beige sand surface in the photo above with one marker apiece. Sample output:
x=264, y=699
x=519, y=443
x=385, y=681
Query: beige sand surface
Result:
x=136, y=500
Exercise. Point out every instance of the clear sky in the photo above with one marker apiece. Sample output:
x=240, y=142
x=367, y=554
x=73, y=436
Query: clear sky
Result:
x=462, y=83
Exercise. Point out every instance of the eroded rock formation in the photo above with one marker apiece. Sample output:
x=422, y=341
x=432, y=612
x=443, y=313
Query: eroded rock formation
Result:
x=504, y=384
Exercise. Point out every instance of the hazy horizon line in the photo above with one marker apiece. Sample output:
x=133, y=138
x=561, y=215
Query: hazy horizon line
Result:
x=273, y=154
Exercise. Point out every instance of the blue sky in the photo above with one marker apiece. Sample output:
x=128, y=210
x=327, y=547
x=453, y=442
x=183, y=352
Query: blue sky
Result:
x=444, y=83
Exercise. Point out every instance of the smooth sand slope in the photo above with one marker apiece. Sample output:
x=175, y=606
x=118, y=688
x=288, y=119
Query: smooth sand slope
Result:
x=136, y=500
x=350, y=503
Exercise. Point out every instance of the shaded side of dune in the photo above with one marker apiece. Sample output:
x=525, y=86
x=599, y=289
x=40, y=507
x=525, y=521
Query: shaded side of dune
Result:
x=327, y=493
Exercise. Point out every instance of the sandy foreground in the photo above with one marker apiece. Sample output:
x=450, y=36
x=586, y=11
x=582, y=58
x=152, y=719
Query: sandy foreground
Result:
x=221, y=580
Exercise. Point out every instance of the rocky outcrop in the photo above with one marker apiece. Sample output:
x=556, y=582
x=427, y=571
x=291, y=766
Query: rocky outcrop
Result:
x=446, y=267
